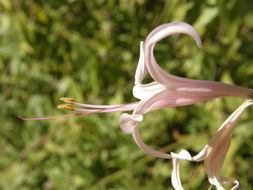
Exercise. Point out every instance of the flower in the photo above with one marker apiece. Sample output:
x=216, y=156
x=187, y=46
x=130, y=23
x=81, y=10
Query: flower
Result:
x=166, y=91
x=169, y=91
x=213, y=153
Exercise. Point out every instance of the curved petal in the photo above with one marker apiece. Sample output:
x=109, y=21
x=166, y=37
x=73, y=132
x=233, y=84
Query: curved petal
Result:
x=143, y=91
x=147, y=149
x=161, y=99
x=226, y=129
x=214, y=162
x=213, y=153
x=175, y=177
x=156, y=72
x=180, y=84
x=219, y=146
x=169, y=29
x=144, y=105
x=166, y=98
x=141, y=70
x=213, y=89
x=202, y=154
x=129, y=122
x=174, y=100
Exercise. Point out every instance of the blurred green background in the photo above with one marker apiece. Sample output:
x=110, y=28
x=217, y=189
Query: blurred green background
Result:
x=88, y=50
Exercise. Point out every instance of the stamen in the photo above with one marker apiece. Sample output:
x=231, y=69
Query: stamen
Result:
x=113, y=109
x=72, y=101
x=130, y=105
x=67, y=100
x=66, y=107
x=119, y=108
x=96, y=106
x=108, y=108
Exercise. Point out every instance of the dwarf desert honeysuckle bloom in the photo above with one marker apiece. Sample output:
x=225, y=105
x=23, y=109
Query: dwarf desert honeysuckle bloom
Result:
x=166, y=91
x=213, y=153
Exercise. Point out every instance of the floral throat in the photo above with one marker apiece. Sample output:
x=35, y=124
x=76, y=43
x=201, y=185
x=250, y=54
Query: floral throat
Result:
x=170, y=91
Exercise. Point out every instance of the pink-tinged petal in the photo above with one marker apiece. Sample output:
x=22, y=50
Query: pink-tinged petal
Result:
x=175, y=177
x=165, y=30
x=213, y=153
x=145, y=105
x=202, y=155
x=226, y=129
x=212, y=89
x=174, y=101
x=169, y=29
x=145, y=148
x=143, y=91
x=163, y=99
x=141, y=70
x=182, y=155
x=219, y=145
x=166, y=98
x=183, y=85
x=129, y=122
x=214, y=162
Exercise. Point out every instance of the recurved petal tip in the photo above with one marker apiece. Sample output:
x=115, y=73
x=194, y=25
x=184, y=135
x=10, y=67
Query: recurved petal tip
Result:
x=182, y=155
x=166, y=30
x=65, y=106
x=141, y=70
x=129, y=122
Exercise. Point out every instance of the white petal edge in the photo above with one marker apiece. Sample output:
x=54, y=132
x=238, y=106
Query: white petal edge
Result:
x=147, y=149
x=129, y=122
x=141, y=70
x=143, y=91
x=175, y=177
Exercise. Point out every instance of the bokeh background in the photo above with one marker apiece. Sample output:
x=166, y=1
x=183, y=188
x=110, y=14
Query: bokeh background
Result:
x=88, y=50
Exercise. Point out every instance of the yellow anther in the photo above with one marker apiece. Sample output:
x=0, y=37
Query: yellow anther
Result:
x=67, y=100
x=65, y=106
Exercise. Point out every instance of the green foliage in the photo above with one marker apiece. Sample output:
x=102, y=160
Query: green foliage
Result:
x=88, y=50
